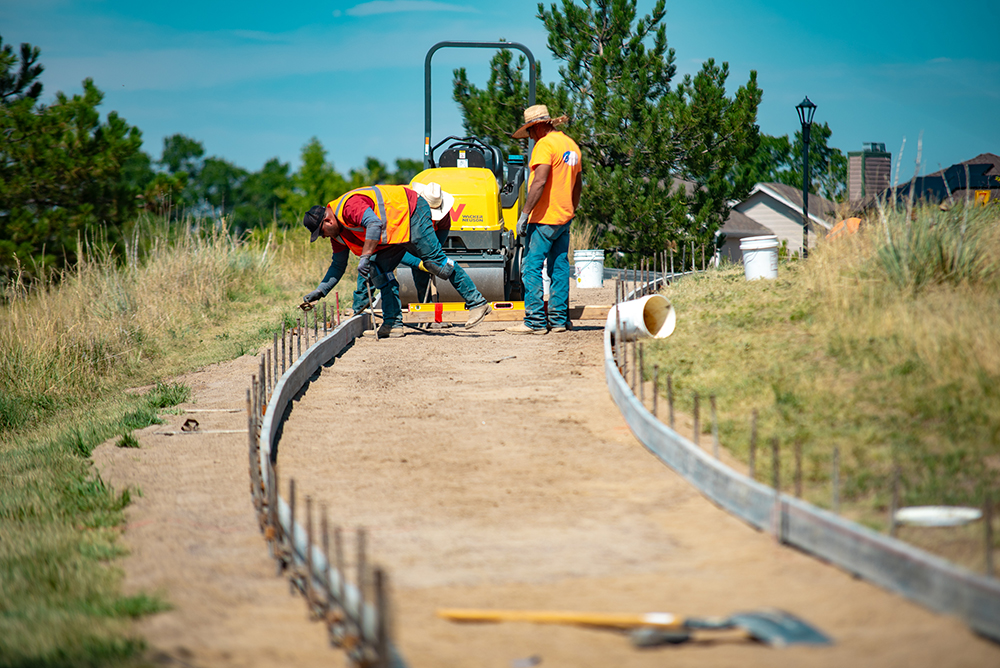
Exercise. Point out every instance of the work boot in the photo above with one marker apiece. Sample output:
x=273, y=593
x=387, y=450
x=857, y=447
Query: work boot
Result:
x=477, y=314
x=390, y=331
x=567, y=327
x=521, y=328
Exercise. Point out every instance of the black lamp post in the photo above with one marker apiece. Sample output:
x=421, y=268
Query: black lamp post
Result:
x=806, y=111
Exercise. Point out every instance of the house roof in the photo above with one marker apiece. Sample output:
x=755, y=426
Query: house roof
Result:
x=981, y=159
x=821, y=210
x=979, y=173
x=739, y=225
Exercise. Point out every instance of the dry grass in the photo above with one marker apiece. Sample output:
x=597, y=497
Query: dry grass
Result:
x=885, y=345
x=177, y=297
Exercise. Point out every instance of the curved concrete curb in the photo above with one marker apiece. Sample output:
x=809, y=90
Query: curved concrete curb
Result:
x=294, y=546
x=890, y=563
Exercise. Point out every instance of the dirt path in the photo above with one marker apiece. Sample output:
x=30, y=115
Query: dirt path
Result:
x=491, y=471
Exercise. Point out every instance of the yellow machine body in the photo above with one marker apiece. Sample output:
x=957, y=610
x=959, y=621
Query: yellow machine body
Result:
x=477, y=196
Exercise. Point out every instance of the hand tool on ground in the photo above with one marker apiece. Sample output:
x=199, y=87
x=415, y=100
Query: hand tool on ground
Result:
x=776, y=628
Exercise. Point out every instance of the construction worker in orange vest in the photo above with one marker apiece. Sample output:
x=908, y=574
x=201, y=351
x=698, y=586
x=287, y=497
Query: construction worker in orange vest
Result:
x=553, y=196
x=380, y=224
x=441, y=203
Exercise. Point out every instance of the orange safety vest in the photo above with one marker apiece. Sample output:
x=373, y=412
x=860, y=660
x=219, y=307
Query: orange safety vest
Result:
x=391, y=206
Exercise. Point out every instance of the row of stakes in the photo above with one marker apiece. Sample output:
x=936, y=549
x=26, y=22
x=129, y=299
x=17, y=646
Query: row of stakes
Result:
x=632, y=368
x=364, y=636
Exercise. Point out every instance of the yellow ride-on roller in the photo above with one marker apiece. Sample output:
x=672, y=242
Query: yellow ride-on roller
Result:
x=489, y=191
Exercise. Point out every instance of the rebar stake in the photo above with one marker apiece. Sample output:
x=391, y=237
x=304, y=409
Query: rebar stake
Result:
x=670, y=398
x=836, y=480
x=715, y=427
x=324, y=528
x=310, y=596
x=382, y=619
x=291, y=529
x=798, y=468
x=361, y=565
x=656, y=389
x=778, y=519
x=988, y=532
x=894, y=506
x=697, y=426
x=642, y=377
x=635, y=365
x=371, y=307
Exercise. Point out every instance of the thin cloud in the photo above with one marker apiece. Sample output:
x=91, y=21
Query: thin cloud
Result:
x=399, y=6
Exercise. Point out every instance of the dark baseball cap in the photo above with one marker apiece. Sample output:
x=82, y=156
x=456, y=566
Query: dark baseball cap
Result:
x=313, y=219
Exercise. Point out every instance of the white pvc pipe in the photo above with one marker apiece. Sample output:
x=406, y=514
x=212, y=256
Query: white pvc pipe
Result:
x=649, y=317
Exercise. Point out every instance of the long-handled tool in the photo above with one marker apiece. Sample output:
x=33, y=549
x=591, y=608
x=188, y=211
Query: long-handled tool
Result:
x=371, y=306
x=773, y=627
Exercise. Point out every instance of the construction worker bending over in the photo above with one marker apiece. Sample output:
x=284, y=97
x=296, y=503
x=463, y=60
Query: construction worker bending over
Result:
x=441, y=203
x=553, y=195
x=380, y=224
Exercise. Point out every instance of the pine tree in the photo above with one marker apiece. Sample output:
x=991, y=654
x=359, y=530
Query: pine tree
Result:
x=60, y=170
x=660, y=162
x=494, y=113
x=642, y=138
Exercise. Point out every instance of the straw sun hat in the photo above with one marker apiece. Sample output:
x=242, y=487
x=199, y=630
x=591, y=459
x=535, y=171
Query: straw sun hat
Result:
x=533, y=115
x=439, y=200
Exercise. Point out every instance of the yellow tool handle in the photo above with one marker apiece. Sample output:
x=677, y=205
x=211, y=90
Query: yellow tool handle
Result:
x=660, y=620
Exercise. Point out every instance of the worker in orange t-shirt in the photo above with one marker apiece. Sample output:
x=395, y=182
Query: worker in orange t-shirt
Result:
x=553, y=195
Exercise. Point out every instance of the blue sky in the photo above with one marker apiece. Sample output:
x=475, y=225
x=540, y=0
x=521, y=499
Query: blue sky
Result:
x=255, y=80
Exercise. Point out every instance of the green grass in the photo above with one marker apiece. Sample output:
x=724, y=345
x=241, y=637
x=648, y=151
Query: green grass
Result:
x=885, y=345
x=183, y=296
x=59, y=526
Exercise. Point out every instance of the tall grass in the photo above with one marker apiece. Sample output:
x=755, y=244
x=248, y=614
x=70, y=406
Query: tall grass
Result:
x=107, y=321
x=173, y=298
x=885, y=345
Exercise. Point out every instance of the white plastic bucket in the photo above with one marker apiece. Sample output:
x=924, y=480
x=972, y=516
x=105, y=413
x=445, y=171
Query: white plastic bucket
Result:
x=760, y=257
x=649, y=317
x=589, y=265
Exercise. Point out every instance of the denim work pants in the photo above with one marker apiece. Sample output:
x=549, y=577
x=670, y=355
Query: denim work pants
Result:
x=420, y=278
x=546, y=243
x=425, y=245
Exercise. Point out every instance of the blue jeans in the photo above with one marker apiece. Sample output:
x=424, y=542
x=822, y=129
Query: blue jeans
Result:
x=424, y=243
x=420, y=278
x=546, y=243
x=425, y=246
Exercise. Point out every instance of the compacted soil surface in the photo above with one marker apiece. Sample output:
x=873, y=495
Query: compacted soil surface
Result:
x=490, y=471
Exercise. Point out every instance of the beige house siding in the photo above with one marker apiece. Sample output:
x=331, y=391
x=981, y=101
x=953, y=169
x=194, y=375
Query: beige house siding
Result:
x=780, y=219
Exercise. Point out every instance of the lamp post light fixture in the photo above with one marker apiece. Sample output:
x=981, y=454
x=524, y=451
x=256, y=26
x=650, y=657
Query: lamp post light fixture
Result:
x=806, y=111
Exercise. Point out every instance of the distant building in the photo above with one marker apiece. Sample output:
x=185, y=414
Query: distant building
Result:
x=774, y=208
x=868, y=172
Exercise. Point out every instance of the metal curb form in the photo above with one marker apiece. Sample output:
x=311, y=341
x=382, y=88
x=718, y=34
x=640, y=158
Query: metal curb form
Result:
x=358, y=626
x=890, y=563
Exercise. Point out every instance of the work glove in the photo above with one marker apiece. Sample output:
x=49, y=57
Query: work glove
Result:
x=365, y=265
x=314, y=296
x=522, y=224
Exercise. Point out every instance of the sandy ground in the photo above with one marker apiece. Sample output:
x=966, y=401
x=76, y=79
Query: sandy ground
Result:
x=491, y=471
